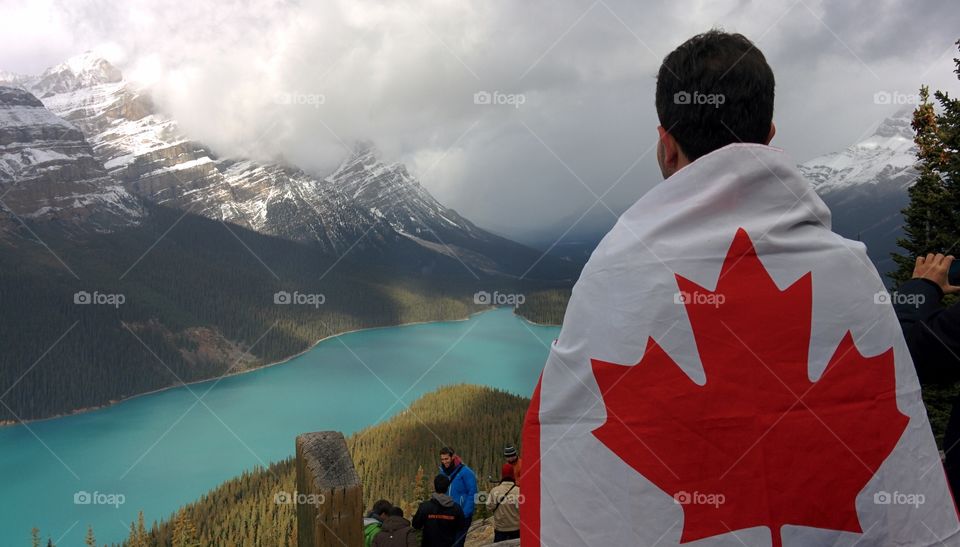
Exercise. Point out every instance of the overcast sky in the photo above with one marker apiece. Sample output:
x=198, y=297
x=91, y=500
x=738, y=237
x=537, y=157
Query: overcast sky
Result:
x=303, y=79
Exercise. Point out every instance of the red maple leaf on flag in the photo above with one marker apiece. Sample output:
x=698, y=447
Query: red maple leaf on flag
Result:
x=759, y=444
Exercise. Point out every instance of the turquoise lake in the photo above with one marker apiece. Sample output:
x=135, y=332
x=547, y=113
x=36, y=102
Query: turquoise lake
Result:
x=165, y=449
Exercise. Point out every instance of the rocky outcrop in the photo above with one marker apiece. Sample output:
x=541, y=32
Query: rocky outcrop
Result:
x=48, y=171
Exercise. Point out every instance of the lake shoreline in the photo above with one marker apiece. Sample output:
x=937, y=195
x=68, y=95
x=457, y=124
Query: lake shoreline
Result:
x=538, y=324
x=10, y=423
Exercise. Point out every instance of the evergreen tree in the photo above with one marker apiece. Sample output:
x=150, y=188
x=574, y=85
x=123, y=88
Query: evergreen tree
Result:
x=184, y=531
x=420, y=491
x=138, y=533
x=932, y=219
x=132, y=536
x=142, y=537
x=35, y=536
x=91, y=540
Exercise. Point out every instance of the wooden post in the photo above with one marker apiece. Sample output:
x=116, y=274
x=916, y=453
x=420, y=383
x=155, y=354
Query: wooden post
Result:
x=330, y=496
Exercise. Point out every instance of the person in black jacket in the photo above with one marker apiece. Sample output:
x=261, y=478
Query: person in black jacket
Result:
x=932, y=333
x=439, y=517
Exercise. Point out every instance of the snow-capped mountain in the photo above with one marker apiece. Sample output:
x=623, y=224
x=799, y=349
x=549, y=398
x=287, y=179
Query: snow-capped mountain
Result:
x=78, y=72
x=391, y=193
x=364, y=205
x=865, y=186
x=886, y=156
x=154, y=159
x=49, y=172
x=400, y=203
x=13, y=79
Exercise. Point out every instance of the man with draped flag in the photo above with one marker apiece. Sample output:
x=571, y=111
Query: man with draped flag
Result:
x=729, y=371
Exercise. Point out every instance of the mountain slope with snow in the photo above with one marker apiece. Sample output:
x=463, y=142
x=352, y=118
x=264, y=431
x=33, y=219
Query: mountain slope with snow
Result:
x=886, y=156
x=866, y=184
x=365, y=205
x=78, y=72
x=49, y=172
x=155, y=160
x=391, y=193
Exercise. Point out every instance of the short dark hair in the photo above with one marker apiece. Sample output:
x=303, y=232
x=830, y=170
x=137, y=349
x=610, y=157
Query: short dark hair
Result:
x=441, y=484
x=380, y=507
x=447, y=451
x=395, y=511
x=715, y=89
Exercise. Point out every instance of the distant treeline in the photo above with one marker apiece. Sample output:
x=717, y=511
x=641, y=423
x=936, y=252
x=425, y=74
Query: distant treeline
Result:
x=545, y=307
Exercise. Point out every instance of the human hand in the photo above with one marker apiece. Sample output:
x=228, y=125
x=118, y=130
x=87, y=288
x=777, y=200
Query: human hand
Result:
x=936, y=268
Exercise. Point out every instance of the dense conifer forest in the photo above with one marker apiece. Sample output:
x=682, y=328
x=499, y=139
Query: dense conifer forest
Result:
x=196, y=303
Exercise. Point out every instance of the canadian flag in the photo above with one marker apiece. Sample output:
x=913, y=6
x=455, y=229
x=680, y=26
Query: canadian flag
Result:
x=731, y=372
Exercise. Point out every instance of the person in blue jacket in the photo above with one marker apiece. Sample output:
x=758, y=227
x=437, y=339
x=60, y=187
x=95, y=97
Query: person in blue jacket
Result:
x=463, y=488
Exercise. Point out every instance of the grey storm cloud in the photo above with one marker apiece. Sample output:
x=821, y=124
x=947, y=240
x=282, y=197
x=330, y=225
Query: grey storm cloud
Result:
x=570, y=118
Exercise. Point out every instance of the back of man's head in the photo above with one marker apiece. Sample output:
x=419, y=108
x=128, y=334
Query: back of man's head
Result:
x=441, y=484
x=395, y=511
x=715, y=89
x=381, y=507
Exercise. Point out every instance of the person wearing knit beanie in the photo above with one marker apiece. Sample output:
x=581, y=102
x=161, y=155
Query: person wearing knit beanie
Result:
x=512, y=457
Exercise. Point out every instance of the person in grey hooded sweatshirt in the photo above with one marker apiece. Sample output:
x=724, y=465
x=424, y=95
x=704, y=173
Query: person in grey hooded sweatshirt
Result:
x=439, y=517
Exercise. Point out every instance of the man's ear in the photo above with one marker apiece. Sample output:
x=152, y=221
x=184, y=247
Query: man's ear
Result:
x=773, y=131
x=670, y=157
